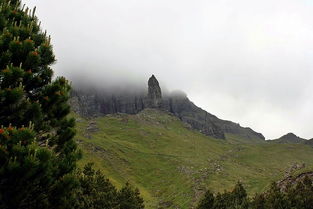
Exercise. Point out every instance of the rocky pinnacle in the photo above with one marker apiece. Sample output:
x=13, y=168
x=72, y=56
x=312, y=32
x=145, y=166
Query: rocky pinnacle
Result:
x=89, y=103
x=154, y=92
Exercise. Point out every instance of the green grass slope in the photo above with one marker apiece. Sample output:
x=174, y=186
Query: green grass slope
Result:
x=173, y=165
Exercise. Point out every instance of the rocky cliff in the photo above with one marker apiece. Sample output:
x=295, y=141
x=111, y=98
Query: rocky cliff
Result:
x=90, y=103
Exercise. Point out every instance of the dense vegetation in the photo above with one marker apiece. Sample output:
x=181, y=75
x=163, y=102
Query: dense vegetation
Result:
x=38, y=154
x=299, y=196
x=173, y=165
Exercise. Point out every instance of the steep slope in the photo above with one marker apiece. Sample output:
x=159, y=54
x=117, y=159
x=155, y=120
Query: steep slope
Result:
x=172, y=164
x=289, y=138
x=94, y=102
x=207, y=123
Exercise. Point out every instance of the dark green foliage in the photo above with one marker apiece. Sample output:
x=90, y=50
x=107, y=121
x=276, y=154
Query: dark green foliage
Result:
x=299, y=196
x=239, y=197
x=258, y=201
x=37, y=161
x=207, y=202
x=97, y=192
x=275, y=199
x=129, y=198
x=25, y=169
x=228, y=200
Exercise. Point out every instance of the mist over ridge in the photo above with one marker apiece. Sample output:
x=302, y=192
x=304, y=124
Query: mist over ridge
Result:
x=247, y=61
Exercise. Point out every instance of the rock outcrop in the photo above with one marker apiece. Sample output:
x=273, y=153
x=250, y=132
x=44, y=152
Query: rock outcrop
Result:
x=90, y=103
x=293, y=180
x=154, y=98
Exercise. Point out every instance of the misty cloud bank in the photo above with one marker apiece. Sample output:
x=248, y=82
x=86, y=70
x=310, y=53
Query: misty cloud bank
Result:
x=246, y=61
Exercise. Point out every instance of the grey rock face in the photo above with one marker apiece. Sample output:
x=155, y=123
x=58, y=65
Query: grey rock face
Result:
x=189, y=113
x=205, y=122
x=93, y=103
x=86, y=105
x=154, y=98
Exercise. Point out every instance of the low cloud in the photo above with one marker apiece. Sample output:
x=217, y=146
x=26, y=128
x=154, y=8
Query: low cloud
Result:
x=246, y=61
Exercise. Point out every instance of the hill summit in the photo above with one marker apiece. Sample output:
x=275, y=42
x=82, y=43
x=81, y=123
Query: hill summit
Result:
x=90, y=102
x=290, y=138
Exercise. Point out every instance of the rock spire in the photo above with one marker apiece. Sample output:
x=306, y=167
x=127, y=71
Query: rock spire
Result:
x=154, y=93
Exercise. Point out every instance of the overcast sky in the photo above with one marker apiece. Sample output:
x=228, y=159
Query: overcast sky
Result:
x=248, y=61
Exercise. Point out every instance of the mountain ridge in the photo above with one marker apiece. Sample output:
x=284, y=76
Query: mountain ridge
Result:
x=90, y=103
x=289, y=138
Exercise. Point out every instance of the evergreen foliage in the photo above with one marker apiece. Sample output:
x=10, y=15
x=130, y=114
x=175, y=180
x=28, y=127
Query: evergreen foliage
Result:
x=236, y=199
x=129, y=198
x=207, y=201
x=37, y=152
x=299, y=196
x=97, y=192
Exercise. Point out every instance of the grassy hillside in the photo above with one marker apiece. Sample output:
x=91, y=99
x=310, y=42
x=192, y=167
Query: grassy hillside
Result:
x=173, y=165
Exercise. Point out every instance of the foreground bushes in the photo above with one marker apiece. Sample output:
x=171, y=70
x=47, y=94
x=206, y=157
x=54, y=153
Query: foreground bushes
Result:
x=299, y=196
x=94, y=191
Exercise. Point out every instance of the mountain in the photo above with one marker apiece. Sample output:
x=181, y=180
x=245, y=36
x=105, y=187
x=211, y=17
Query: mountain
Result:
x=289, y=138
x=173, y=164
x=94, y=102
x=172, y=150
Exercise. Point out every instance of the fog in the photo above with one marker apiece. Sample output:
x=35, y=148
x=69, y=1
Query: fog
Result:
x=247, y=61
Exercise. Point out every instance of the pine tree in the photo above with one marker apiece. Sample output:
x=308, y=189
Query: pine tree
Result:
x=37, y=150
x=96, y=192
x=129, y=198
x=275, y=199
x=207, y=202
x=258, y=202
x=239, y=197
x=222, y=201
x=300, y=196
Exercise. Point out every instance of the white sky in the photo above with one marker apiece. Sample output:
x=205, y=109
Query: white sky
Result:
x=248, y=61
